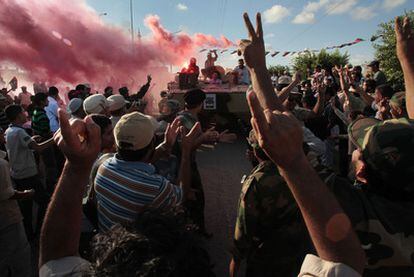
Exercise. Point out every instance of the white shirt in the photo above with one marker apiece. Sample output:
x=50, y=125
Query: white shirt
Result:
x=22, y=161
x=244, y=77
x=52, y=114
x=314, y=266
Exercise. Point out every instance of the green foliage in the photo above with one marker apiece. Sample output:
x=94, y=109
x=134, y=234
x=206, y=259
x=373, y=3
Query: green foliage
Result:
x=278, y=69
x=385, y=53
x=324, y=58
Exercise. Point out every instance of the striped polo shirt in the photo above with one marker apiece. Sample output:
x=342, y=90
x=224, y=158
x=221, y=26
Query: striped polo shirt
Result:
x=124, y=189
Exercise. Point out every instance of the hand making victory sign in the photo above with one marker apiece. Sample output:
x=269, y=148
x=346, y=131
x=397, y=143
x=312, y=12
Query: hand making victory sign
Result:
x=253, y=50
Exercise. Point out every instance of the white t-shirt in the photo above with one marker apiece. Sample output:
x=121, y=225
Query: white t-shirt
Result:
x=65, y=267
x=21, y=158
x=244, y=77
x=314, y=266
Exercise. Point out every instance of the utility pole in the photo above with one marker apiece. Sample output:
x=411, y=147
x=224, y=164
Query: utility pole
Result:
x=132, y=21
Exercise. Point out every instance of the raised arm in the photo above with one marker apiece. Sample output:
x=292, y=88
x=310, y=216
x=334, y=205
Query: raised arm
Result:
x=329, y=227
x=405, y=49
x=253, y=51
x=144, y=89
x=80, y=142
x=187, y=147
x=284, y=93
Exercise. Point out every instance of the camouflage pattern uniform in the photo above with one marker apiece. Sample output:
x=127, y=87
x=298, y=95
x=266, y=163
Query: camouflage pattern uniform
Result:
x=269, y=231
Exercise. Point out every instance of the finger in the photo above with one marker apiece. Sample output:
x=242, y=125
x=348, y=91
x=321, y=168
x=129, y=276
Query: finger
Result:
x=66, y=128
x=249, y=26
x=255, y=108
x=224, y=132
x=93, y=132
x=259, y=28
x=407, y=27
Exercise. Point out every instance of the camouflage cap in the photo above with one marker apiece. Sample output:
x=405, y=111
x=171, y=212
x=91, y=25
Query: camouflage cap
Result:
x=398, y=99
x=252, y=140
x=387, y=146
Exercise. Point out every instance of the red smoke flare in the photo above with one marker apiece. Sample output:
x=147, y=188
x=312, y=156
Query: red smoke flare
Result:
x=58, y=41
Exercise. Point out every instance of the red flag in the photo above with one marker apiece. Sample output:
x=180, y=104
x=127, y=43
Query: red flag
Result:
x=358, y=40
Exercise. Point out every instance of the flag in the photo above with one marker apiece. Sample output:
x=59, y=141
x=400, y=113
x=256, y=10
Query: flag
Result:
x=203, y=50
x=233, y=52
x=357, y=40
x=266, y=53
x=274, y=53
x=285, y=54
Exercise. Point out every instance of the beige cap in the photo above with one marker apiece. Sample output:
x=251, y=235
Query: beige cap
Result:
x=96, y=103
x=116, y=102
x=136, y=129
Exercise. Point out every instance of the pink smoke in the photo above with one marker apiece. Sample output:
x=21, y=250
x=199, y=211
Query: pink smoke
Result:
x=66, y=42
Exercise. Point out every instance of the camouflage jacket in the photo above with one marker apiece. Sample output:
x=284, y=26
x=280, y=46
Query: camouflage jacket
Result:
x=269, y=231
x=271, y=235
x=385, y=228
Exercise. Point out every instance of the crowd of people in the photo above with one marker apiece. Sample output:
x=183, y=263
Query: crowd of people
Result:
x=331, y=192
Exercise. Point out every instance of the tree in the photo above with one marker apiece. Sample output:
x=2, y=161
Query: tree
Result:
x=386, y=55
x=309, y=60
x=278, y=69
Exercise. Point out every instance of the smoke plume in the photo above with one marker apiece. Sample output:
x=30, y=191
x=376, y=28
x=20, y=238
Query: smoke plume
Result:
x=67, y=42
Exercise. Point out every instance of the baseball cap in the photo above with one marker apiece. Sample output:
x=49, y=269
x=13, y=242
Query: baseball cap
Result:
x=283, y=80
x=398, y=99
x=95, y=104
x=136, y=129
x=74, y=105
x=387, y=146
x=116, y=102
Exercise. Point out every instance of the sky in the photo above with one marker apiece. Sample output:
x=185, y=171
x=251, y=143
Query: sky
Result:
x=288, y=25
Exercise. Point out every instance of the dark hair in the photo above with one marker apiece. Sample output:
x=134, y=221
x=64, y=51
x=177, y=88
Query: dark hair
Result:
x=80, y=87
x=38, y=98
x=371, y=84
x=108, y=88
x=102, y=121
x=133, y=155
x=158, y=243
x=53, y=91
x=12, y=111
x=309, y=100
x=193, y=106
x=385, y=90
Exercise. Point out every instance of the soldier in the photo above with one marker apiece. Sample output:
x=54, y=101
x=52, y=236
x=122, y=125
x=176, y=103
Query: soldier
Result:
x=268, y=223
x=194, y=100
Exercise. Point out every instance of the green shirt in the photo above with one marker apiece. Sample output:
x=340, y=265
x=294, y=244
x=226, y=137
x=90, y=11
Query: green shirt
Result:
x=40, y=123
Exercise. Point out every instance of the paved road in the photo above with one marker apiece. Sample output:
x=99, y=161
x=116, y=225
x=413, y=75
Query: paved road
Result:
x=221, y=170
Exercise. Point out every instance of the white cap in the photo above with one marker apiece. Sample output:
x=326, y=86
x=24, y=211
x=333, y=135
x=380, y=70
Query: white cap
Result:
x=96, y=103
x=116, y=102
x=74, y=105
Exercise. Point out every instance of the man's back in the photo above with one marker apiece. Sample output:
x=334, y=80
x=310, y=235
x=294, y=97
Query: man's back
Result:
x=124, y=189
x=22, y=161
x=269, y=231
